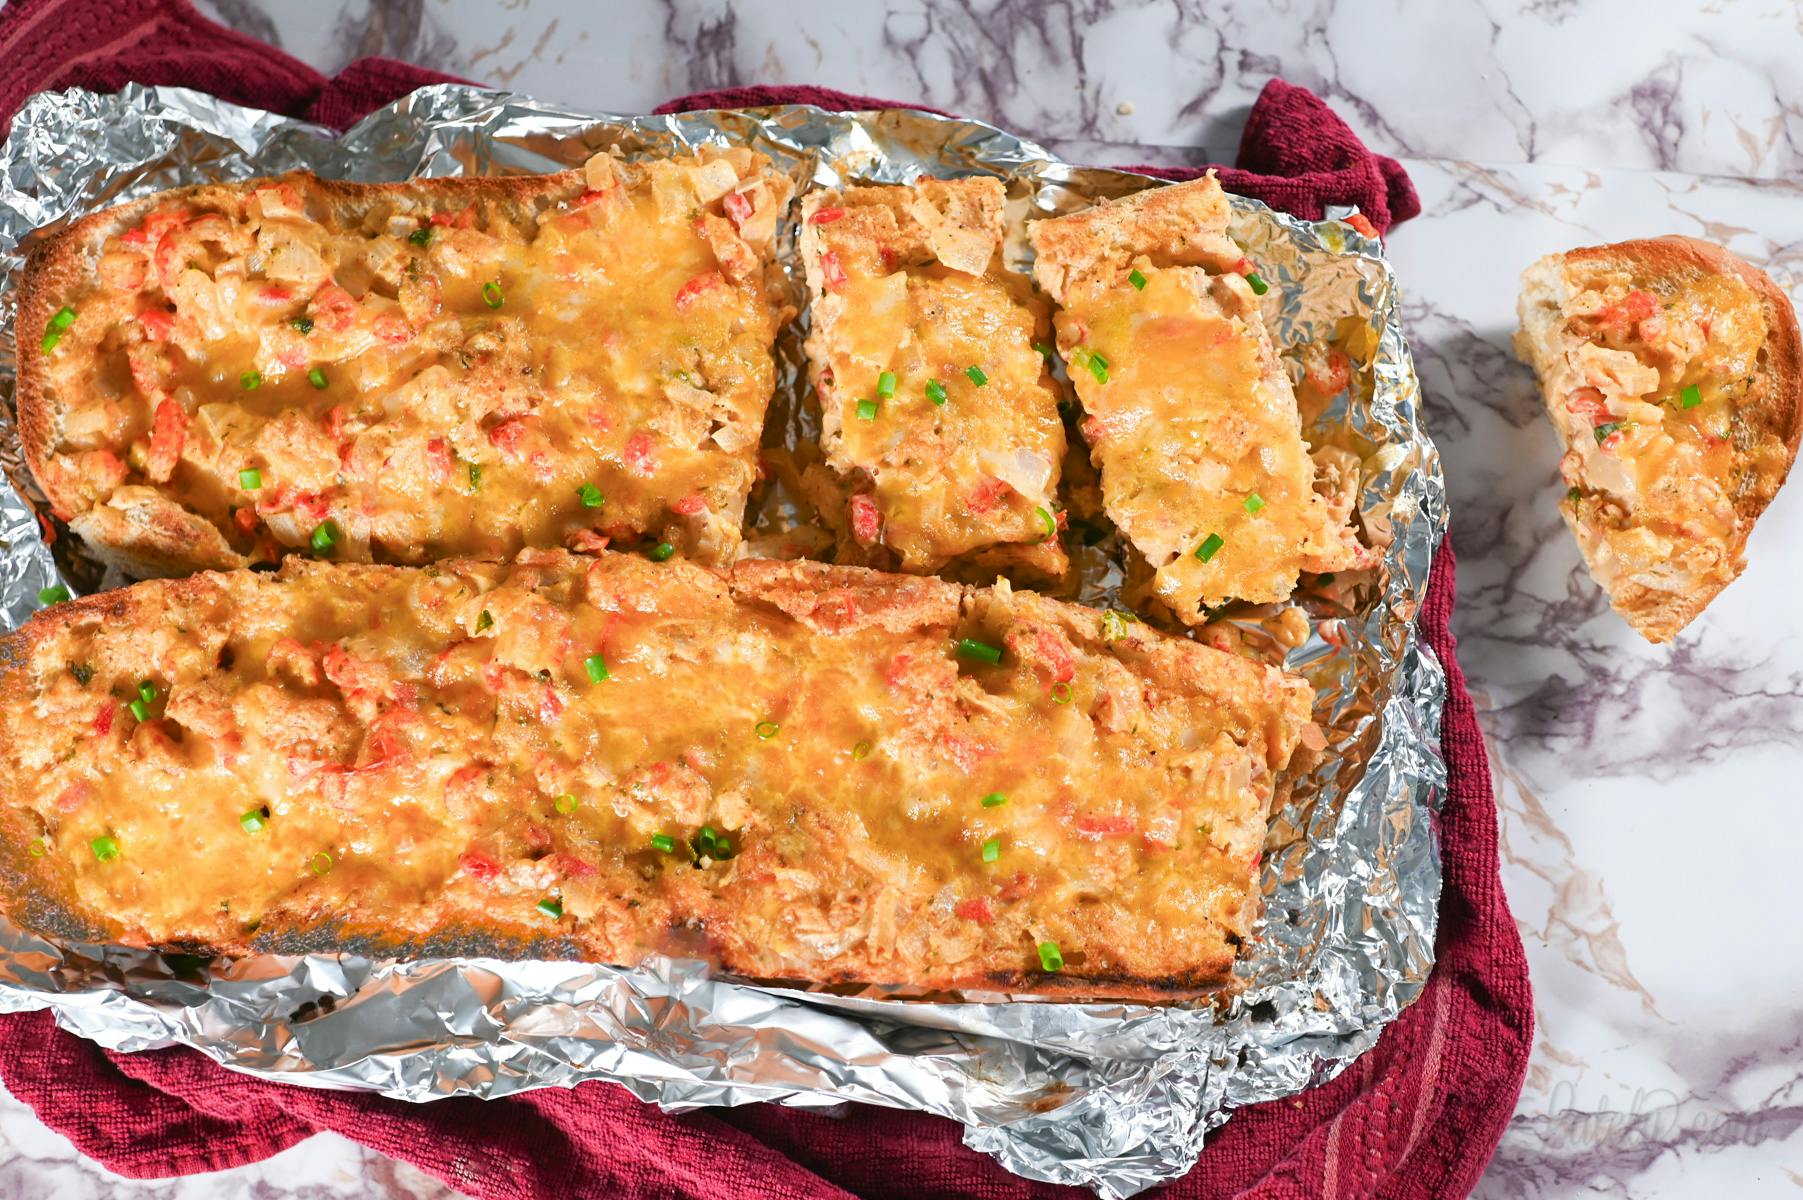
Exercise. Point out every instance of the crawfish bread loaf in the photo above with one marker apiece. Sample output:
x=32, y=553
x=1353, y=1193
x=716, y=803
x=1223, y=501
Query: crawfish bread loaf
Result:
x=940, y=420
x=403, y=372
x=1670, y=370
x=794, y=771
x=1189, y=415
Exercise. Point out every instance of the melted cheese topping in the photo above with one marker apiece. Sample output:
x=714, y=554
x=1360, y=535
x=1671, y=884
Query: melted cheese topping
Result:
x=908, y=285
x=434, y=368
x=781, y=769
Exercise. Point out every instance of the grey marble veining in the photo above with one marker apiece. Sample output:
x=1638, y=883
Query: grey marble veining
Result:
x=1648, y=796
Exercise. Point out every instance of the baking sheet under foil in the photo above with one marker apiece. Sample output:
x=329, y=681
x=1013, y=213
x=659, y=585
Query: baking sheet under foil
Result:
x=1116, y=1097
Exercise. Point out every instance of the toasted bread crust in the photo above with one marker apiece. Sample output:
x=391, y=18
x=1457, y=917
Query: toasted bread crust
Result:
x=1770, y=413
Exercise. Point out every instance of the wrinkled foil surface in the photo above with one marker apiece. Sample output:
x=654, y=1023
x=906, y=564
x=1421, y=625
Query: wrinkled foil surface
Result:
x=1115, y=1097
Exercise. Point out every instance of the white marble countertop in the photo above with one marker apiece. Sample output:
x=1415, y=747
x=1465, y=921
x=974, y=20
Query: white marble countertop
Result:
x=1528, y=127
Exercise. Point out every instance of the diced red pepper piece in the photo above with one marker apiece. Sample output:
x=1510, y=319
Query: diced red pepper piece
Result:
x=826, y=216
x=976, y=908
x=738, y=207
x=479, y=866
x=691, y=505
x=686, y=294
x=831, y=272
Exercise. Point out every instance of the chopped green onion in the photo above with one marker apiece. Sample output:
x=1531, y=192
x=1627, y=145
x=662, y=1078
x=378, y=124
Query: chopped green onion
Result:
x=1253, y=503
x=992, y=849
x=591, y=496
x=1115, y=622
x=565, y=804
x=935, y=391
x=885, y=384
x=1573, y=494
x=139, y=710
x=1095, y=363
x=1136, y=279
x=1211, y=546
x=56, y=593
x=994, y=800
x=663, y=842
x=325, y=536
x=251, y=380
x=485, y=621
x=1061, y=692
x=597, y=668
x=1045, y=351
x=475, y=477
x=861, y=751
x=1259, y=287
x=1603, y=431
x=321, y=863
x=147, y=692
x=39, y=847
x=982, y=651
x=662, y=551
x=1690, y=397
x=767, y=730
x=105, y=849
x=302, y=325
x=491, y=294
x=65, y=317
x=1049, y=957
x=421, y=236
x=551, y=907
x=50, y=341
x=317, y=378
x=250, y=479
x=712, y=844
x=867, y=410
x=254, y=819
x=976, y=376
x=1046, y=519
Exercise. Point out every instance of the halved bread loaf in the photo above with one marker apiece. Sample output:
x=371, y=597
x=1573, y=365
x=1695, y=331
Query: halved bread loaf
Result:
x=1670, y=369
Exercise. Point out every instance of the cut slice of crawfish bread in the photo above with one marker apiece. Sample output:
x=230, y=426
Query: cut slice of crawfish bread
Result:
x=1670, y=369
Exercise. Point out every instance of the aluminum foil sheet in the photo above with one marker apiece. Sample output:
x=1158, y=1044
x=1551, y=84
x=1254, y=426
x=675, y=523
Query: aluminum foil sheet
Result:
x=1116, y=1097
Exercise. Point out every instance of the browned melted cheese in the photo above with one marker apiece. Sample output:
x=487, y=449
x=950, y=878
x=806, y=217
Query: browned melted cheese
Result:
x=435, y=368
x=783, y=770
x=908, y=283
x=1190, y=419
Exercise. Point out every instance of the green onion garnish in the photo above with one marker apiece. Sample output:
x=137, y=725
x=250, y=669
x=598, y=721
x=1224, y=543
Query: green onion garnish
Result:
x=39, y=847
x=251, y=380
x=147, y=692
x=1259, y=287
x=302, y=325
x=317, y=378
x=935, y=391
x=994, y=800
x=1211, y=545
x=1604, y=430
x=662, y=551
x=992, y=849
x=250, y=479
x=1095, y=363
x=421, y=236
x=1573, y=494
x=1253, y=503
x=861, y=751
x=1049, y=957
x=1046, y=519
x=254, y=819
x=766, y=730
x=105, y=849
x=1136, y=279
x=485, y=621
x=663, y=842
x=551, y=907
x=712, y=844
x=50, y=341
x=565, y=804
x=867, y=410
x=1115, y=622
x=65, y=317
x=591, y=496
x=475, y=478
x=976, y=376
x=1061, y=692
x=139, y=710
x=56, y=593
x=1045, y=351
x=321, y=863
x=1690, y=397
x=982, y=651
x=491, y=294
x=885, y=384
x=325, y=536
x=596, y=667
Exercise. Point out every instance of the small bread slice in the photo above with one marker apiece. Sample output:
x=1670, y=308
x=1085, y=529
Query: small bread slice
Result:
x=1670, y=369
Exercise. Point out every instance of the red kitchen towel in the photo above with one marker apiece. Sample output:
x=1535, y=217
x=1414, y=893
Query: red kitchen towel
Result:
x=1417, y=1117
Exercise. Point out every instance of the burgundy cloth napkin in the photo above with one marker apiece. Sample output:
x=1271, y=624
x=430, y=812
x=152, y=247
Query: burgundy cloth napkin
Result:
x=1418, y=1116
